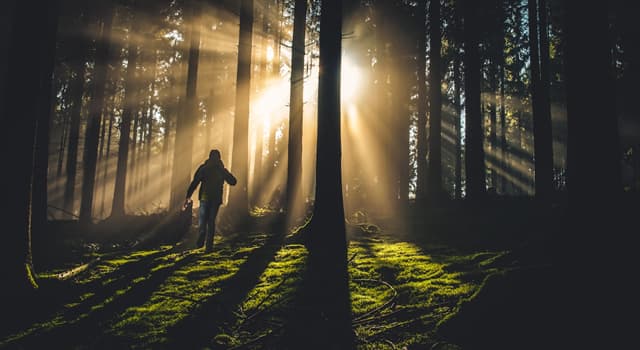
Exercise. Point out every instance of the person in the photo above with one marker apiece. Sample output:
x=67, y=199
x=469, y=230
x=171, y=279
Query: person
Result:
x=211, y=176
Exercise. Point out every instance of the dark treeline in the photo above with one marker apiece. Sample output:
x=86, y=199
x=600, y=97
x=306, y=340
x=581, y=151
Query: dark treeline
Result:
x=108, y=106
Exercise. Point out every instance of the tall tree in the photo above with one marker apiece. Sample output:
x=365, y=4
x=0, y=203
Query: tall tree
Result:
x=328, y=247
x=421, y=186
x=30, y=62
x=129, y=109
x=294, y=170
x=435, y=116
x=90, y=152
x=474, y=157
x=80, y=51
x=239, y=165
x=593, y=177
x=539, y=48
x=503, y=101
x=183, y=150
x=39, y=197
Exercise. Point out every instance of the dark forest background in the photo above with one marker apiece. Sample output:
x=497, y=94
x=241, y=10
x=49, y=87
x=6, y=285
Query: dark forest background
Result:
x=495, y=125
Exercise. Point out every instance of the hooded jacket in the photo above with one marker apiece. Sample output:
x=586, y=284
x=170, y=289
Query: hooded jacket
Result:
x=211, y=175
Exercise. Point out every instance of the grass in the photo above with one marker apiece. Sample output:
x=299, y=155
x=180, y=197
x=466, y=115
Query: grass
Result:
x=399, y=290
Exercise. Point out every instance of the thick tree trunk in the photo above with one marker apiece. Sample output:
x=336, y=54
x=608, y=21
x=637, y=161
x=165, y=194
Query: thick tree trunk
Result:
x=383, y=101
x=294, y=170
x=183, y=150
x=538, y=38
x=329, y=279
x=90, y=152
x=435, y=115
x=239, y=165
x=590, y=182
x=30, y=62
x=594, y=184
x=474, y=158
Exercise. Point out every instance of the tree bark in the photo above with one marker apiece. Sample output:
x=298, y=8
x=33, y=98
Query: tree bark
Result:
x=294, y=170
x=239, y=165
x=32, y=30
x=183, y=150
x=435, y=115
x=129, y=110
x=421, y=186
x=328, y=248
x=76, y=92
x=590, y=182
x=90, y=152
x=458, y=108
x=474, y=158
x=539, y=48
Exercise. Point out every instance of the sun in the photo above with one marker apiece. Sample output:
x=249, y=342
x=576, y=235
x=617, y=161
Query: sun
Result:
x=349, y=80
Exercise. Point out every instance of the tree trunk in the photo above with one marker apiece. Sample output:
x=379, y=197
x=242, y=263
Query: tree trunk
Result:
x=294, y=170
x=76, y=92
x=149, y=140
x=239, y=165
x=591, y=181
x=421, y=186
x=62, y=144
x=183, y=150
x=474, y=158
x=457, y=79
x=129, y=110
x=39, y=197
x=493, y=117
x=90, y=152
x=30, y=62
x=328, y=248
x=435, y=115
x=105, y=169
x=538, y=39
x=594, y=182
x=504, y=162
x=257, y=166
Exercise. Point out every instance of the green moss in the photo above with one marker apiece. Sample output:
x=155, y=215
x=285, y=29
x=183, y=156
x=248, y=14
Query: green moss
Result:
x=427, y=286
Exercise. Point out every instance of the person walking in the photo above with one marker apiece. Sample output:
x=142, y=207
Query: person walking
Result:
x=211, y=176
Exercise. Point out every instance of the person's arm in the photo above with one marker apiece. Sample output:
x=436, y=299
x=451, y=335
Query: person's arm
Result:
x=197, y=177
x=229, y=178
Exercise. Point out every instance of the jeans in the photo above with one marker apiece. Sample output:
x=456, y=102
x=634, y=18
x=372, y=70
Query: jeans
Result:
x=207, y=223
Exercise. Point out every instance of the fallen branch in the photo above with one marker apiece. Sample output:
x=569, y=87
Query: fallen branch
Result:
x=379, y=308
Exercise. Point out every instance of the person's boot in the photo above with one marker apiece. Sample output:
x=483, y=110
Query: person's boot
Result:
x=200, y=241
x=208, y=246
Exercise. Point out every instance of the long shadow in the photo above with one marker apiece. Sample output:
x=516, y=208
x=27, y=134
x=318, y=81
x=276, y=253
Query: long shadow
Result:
x=56, y=293
x=321, y=310
x=198, y=330
x=120, y=295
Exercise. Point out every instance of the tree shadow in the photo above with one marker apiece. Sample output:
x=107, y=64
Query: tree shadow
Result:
x=321, y=309
x=84, y=324
x=199, y=329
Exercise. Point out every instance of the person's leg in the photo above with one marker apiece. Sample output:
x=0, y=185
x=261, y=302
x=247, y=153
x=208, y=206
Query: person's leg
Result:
x=202, y=223
x=211, y=229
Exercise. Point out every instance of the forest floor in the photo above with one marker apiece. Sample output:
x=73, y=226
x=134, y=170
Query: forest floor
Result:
x=406, y=291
